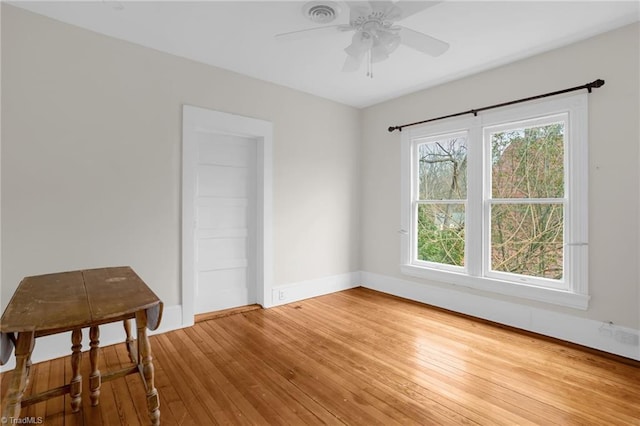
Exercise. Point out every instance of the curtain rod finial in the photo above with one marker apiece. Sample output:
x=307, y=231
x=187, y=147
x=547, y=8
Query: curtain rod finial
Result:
x=392, y=128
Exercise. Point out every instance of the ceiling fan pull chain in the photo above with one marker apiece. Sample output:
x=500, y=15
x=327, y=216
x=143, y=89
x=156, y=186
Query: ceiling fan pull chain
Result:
x=368, y=64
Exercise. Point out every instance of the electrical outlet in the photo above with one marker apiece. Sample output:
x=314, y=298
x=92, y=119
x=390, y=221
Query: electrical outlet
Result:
x=627, y=338
x=606, y=329
x=281, y=295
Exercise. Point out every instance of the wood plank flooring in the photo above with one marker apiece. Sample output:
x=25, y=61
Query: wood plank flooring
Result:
x=357, y=357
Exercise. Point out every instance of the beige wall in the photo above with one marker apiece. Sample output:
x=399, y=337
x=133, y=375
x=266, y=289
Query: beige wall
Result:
x=613, y=173
x=91, y=154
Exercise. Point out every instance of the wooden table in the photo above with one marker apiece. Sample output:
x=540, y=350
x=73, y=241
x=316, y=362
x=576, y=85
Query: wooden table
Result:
x=70, y=301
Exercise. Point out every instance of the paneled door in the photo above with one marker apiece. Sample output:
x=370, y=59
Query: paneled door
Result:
x=225, y=219
x=227, y=254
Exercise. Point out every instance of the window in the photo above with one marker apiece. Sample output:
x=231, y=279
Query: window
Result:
x=442, y=195
x=498, y=202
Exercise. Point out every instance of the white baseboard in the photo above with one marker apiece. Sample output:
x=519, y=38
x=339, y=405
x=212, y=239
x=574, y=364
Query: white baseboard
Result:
x=289, y=293
x=59, y=345
x=590, y=333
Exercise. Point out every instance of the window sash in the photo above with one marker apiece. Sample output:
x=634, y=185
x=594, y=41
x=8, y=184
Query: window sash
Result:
x=490, y=201
x=416, y=164
x=417, y=201
x=415, y=237
x=560, y=284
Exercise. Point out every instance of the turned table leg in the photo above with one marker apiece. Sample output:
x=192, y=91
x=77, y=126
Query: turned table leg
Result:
x=24, y=347
x=144, y=356
x=129, y=342
x=95, y=378
x=76, y=379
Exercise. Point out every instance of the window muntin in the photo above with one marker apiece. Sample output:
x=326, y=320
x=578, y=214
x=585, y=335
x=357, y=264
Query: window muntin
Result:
x=559, y=279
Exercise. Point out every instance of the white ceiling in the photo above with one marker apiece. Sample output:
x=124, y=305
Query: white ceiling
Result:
x=239, y=36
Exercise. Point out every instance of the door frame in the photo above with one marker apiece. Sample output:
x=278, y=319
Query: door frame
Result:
x=198, y=120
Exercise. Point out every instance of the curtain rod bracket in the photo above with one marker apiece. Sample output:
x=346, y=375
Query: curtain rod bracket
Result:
x=589, y=86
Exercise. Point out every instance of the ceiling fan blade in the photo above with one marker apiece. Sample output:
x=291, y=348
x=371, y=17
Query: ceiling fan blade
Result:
x=422, y=42
x=352, y=63
x=311, y=32
x=388, y=40
x=409, y=8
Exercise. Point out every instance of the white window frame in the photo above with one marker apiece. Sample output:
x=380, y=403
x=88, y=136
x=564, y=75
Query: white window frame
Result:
x=572, y=291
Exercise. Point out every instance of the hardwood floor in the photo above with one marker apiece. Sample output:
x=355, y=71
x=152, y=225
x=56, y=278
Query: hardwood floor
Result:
x=357, y=357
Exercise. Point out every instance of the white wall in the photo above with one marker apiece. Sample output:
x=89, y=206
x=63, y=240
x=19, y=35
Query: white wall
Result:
x=91, y=160
x=614, y=112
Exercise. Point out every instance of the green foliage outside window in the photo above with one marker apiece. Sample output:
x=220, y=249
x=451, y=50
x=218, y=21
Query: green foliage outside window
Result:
x=441, y=234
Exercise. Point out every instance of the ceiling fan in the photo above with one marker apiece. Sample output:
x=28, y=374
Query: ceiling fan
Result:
x=376, y=34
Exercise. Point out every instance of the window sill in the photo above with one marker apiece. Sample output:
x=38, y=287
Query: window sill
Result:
x=540, y=294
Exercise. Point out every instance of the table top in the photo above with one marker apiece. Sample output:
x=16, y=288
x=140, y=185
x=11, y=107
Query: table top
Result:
x=51, y=303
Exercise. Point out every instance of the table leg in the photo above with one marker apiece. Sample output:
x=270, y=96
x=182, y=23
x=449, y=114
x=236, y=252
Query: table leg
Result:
x=28, y=374
x=144, y=355
x=76, y=379
x=95, y=378
x=129, y=341
x=24, y=347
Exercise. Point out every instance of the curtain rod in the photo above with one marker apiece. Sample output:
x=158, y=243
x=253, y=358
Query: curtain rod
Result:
x=594, y=84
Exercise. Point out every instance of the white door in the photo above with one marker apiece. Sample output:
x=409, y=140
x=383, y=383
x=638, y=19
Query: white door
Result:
x=227, y=253
x=225, y=219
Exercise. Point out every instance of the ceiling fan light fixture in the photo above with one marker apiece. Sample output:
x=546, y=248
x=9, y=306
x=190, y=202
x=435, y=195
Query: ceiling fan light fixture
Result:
x=378, y=54
x=321, y=12
x=388, y=40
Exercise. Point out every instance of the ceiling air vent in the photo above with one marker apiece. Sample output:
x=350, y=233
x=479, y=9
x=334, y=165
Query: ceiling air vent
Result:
x=321, y=12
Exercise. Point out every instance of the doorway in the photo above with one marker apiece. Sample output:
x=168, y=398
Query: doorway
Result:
x=226, y=211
